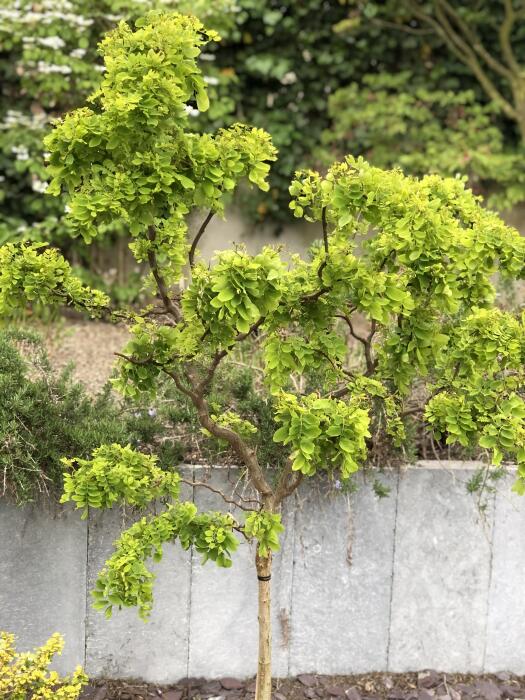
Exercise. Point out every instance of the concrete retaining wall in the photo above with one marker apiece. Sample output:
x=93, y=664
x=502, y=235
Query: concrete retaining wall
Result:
x=413, y=581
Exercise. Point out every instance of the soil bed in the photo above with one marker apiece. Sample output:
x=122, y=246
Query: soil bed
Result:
x=426, y=685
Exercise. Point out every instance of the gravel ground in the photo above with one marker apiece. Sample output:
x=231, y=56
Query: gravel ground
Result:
x=427, y=685
x=89, y=345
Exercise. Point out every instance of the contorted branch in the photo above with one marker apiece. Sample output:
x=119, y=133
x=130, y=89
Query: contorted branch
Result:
x=365, y=342
x=466, y=45
x=239, y=446
x=289, y=481
x=221, y=354
x=225, y=498
x=200, y=233
x=325, y=244
x=196, y=390
x=159, y=279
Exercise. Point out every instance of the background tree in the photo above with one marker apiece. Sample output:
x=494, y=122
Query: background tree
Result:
x=458, y=109
x=413, y=258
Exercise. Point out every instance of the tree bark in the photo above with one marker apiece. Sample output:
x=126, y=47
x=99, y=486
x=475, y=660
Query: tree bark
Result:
x=263, y=689
x=518, y=91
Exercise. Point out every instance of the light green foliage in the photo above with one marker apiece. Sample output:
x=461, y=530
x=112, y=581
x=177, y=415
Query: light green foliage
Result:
x=121, y=475
x=230, y=419
x=265, y=528
x=33, y=273
x=431, y=256
x=234, y=294
x=477, y=396
x=126, y=580
x=154, y=347
x=132, y=158
x=286, y=354
x=117, y=474
x=374, y=392
x=323, y=433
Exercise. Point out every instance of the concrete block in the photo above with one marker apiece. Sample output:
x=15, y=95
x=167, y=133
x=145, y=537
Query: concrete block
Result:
x=125, y=646
x=360, y=585
x=223, y=625
x=441, y=572
x=43, y=578
x=506, y=619
x=342, y=580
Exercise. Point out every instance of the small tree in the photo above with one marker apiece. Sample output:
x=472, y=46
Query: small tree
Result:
x=414, y=258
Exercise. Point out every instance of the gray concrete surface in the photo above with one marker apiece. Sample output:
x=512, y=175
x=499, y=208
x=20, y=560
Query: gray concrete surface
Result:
x=416, y=580
x=506, y=618
x=43, y=553
x=441, y=574
x=342, y=580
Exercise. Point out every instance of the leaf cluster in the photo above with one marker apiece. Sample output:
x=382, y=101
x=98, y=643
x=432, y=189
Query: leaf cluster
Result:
x=126, y=581
x=115, y=475
x=322, y=433
x=31, y=273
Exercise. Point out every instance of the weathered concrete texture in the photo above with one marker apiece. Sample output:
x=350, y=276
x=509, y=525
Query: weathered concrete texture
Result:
x=441, y=573
x=404, y=583
x=506, y=620
x=342, y=581
x=43, y=578
x=126, y=646
x=224, y=604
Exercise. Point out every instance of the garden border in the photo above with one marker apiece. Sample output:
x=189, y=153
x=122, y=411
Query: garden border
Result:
x=420, y=579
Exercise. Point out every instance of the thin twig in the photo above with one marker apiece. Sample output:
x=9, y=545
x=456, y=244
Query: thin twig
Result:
x=366, y=342
x=325, y=243
x=200, y=232
x=225, y=498
x=159, y=279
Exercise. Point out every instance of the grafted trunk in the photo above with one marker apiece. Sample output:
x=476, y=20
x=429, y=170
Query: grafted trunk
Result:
x=263, y=690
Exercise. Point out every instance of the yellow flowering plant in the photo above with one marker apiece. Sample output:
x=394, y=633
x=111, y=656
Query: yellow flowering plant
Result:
x=26, y=675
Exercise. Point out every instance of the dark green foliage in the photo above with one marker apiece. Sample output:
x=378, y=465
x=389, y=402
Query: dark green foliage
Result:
x=45, y=416
x=277, y=70
x=459, y=108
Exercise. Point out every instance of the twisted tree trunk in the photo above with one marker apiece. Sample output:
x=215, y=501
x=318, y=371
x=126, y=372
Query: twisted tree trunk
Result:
x=263, y=690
